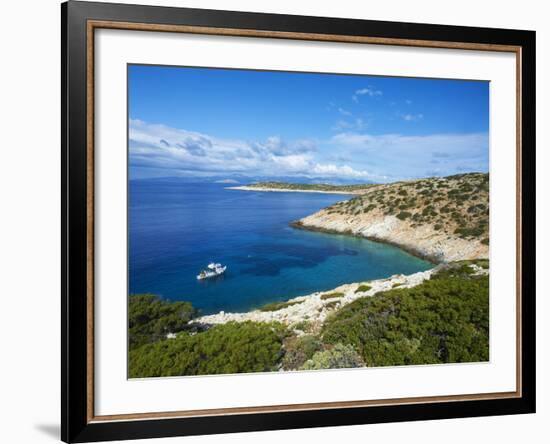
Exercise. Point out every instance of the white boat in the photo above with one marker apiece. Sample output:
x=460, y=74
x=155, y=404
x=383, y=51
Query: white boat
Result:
x=212, y=270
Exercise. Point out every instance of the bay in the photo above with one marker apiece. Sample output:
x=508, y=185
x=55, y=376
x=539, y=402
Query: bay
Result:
x=176, y=228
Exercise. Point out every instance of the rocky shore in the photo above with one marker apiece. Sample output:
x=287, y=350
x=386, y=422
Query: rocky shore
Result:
x=439, y=219
x=424, y=241
x=315, y=307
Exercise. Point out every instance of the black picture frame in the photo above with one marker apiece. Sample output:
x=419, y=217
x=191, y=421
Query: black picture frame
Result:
x=76, y=423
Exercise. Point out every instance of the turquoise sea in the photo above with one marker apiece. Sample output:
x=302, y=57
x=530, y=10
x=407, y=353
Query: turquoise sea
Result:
x=177, y=228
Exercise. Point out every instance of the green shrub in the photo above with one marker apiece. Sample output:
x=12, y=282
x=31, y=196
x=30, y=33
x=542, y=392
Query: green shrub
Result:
x=485, y=241
x=339, y=356
x=363, y=288
x=404, y=215
x=150, y=319
x=469, y=231
x=299, y=349
x=335, y=294
x=331, y=305
x=483, y=263
x=226, y=348
x=302, y=326
x=458, y=270
x=274, y=306
x=441, y=320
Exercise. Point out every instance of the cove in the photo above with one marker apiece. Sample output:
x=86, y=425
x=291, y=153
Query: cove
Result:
x=176, y=228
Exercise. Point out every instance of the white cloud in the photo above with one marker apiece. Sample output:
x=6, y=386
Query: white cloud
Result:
x=370, y=92
x=349, y=155
x=344, y=112
x=342, y=125
x=331, y=170
x=404, y=157
x=356, y=124
x=412, y=117
x=227, y=181
x=161, y=147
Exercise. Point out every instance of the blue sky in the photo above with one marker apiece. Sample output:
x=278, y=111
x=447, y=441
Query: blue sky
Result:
x=321, y=127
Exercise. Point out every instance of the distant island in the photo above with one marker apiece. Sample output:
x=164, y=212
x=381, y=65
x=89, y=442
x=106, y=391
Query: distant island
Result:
x=304, y=187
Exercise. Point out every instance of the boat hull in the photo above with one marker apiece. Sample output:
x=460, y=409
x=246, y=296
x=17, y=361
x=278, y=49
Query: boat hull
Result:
x=211, y=274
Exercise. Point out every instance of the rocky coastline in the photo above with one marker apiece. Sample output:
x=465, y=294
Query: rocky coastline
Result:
x=315, y=307
x=423, y=242
x=442, y=226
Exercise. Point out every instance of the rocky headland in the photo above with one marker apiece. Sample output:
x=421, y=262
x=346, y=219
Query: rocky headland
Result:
x=440, y=219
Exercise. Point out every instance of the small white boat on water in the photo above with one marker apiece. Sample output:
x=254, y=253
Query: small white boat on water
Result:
x=212, y=270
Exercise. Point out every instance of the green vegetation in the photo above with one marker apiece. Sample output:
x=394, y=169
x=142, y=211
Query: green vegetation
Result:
x=226, y=348
x=299, y=349
x=331, y=305
x=151, y=319
x=363, y=288
x=445, y=319
x=456, y=204
x=335, y=294
x=457, y=270
x=339, y=356
x=469, y=231
x=483, y=263
x=304, y=326
x=274, y=306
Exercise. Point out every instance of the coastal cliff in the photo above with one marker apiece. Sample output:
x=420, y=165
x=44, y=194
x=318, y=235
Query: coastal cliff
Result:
x=440, y=219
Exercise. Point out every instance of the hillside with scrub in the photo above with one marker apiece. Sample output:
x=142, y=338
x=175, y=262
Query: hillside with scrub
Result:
x=441, y=219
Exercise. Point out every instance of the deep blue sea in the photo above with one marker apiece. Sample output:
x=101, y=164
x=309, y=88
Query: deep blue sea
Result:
x=177, y=228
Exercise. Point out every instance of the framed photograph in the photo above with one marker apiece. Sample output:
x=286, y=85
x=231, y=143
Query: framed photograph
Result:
x=276, y=221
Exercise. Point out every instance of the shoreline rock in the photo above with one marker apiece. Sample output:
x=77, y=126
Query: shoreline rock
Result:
x=423, y=242
x=315, y=307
